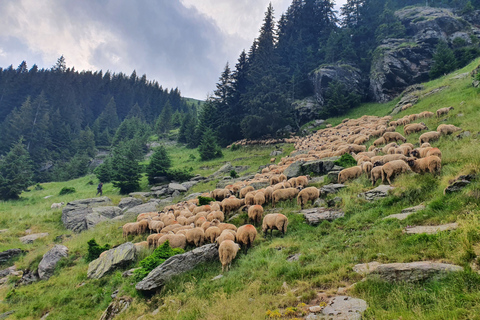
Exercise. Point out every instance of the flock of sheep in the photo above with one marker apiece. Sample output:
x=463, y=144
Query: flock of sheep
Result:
x=188, y=223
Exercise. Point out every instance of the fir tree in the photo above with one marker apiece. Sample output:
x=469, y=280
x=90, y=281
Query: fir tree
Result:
x=125, y=168
x=164, y=121
x=209, y=148
x=443, y=60
x=159, y=164
x=15, y=172
x=104, y=171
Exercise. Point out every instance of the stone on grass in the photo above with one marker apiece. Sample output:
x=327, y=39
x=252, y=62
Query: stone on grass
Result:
x=316, y=215
x=50, y=260
x=112, y=259
x=414, y=271
x=9, y=254
x=366, y=268
x=294, y=169
x=377, y=193
x=456, y=186
x=431, y=229
x=116, y=307
x=130, y=202
x=406, y=212
x=146, y=207
x=176, y=265
x=344, y=307
x=32, y=237
x=172, y=187
x=331, y=188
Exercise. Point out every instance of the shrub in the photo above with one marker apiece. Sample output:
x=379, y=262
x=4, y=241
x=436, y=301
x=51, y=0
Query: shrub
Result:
x=204, y=200
x=158, y=257
x=94, y=250
x=179, y=175
x=38, y=186
x=67, y=190
x=233, y=174
x=234, y=147
x=346, y=160
x=159, y=164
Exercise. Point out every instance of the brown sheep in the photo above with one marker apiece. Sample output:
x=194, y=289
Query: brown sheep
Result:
x=447, y=129
x=200, y=221
x=250, y=198
x=255, y=213
x=155, y=226
x=243, y=192
x=393, y=168
x=414, y=127
x=426, y=114
x=134, y=228
x=429, y=136
x=443, y=111
x=153, y=238
x=231, y=204
x=393, y=136
x=392, y=157
x=420, y=152
x=220, y=194
x=376, y=174
x=390, y=129
x=307, y=194
x=212, y=233
x=268, y=194
x=283, y=194
x=226, y=235
x=227, y=251
x=224, y=226
x=275, y=221
x=259, y=198
x=349, y=174
x=301, y=181
x=216, y=215
x=206, y=225
x=195, y=237
x=388, y=146
x=432, y=164
x=246, y=235
x=434, y=152
x=175, y=240
x=367, y=167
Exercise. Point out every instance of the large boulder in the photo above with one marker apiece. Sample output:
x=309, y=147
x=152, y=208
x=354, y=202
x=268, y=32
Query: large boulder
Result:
x=32, y=237
x=172, y=187
x=9, y=254
x=305, y=110
x=350, y=76
x=377, y=193
x=75, y=212
x=146, y=207
x=414, y=271
x=50, y=260
x=341, y=308
x=177, y=265
x=316, y=215
x=294, y=170
x=331, y=188
x=319, y=167
x=112, y=259
x=130, y=202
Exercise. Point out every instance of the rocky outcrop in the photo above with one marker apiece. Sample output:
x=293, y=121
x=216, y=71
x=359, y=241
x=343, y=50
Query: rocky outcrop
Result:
x=377, y=193
x=340, y=308
x=306, y=109
x=112, y=259
x=146, y=207
x=176, y=265
x=406, y=212
x=459, y=183
x=316, y=215
x=9, y=254
x=399, y=63
x=130, y=202
x=116, y=307
x=50, y=260
x=315, y=167
x=414, y=271
x=32, y=237
x=331, y=188
x=431, y=229
x=74, y=215
x=350, y=76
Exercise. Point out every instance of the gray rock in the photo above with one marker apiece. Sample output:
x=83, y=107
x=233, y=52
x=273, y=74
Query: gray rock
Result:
x=189, y=184
x=32, y=237
x=319, y=203
x=294, y=170
x=5, y=272
x=198, y=178
x=306, y=109
x=116, y=307
x=146, y=207
x=331, y=188
x=294, y=257
x=316, y=215
x=172, y=187
x=220, y=276
x=193, y=196
x=88, y=203
x=276, y=153
x=456, y=186
x=431, y=229
x=176, y=265
x=319, y=122
x=112, y=259
x=108, y=212
x=377, y=193
x=9, y=254
x=6, y=314
x=175, y=193
x=366, y=268
x=259, y=185
x=140, y=194
x=320, y=167
x=333, y=176
x=92, y=219
x=406, y=212
x=75, y=212
x=50, y=260
x=414, y=271
x=29, y=277
x=130, y=202
x=344, y=308
x=317, y=179
x=226, y=168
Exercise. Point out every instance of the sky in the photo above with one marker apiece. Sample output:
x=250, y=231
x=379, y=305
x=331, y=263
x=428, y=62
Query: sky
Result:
x=181, y=44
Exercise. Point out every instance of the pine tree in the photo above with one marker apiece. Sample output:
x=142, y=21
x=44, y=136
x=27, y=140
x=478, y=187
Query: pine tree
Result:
x=15, y=172
x=125, y=168
x=164, y=121
x=443, y=60
x=104, y=172
x=159, y=164
x=209, y=148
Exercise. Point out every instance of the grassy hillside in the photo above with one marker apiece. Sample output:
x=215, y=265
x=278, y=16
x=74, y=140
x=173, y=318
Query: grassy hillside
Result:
x=264, y=280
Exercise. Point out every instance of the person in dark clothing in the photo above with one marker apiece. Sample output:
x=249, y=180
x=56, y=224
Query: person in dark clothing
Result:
x=99, y=189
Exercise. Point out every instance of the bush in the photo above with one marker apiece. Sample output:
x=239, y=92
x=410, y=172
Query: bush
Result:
x=179, y=175
x=67, y=190
x=159, y=164
x=94, y=250
x=234, y=147
x=38, y=186
x=346, y=161
x=158, y=257
x=204, y=200
x=233, y=174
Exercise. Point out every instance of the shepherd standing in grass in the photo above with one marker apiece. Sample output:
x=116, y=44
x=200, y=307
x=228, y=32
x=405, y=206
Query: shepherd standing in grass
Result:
x=99, y=189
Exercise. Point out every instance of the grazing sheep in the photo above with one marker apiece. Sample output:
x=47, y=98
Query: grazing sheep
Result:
x=231, y=204
x=153, y=238
x=200, y=221
x=272, y=160
x=301, y=181
x=283, y=194
x=259, y=198
x=220, y=194
x=274, y=221
x=57, y=205
x=372, y=147
x=420, y=152
x=443, y=111
x=216, y=215
x=226, y=235
x=243, y=192
x=432, y=164
x=376, y=174
x=390, y=129
x=426, y=114
x=255, y=213
x=268, y=194
x=250, y=198
x=429, y=136
x=414, y=127
x=134, y=228
x=388, y=146
x=195, y=236
x=225, y=226
x=393, y=168
x=277, y=179
x=447, y=129
x=349, y=174
x=155, y=226
x=175, y=240
x=246, y=235
x=212, y=233
x=227, y=251
x=393, y=136
x=424, y=145
x=406, y=106
x=307, y=194
x=367, y=167
x=434, y=152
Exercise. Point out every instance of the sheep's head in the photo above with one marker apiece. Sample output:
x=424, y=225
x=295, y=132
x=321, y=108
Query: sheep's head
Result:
x=411, y=162
x=378, y=164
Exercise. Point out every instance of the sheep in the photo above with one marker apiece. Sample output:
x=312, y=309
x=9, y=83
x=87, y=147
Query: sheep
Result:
x=195, y=236
x=406, y=106
x=259, y=198
x=367, y=167
x=153, y=238
x=443, y=111
x=425, y=114
x=275, y=221
x=301, y=181
x=243, y=192
x=57, y=205
x=434, y=152
x=200, y=221
x=255, y=213
x=390, y=129
x=393, y=136
x=307, y=194
x=283, y=194
x=134, y=228
x=349, y=173
x=224, y=226
x=268, y=194
x=227, y=252
x=420, y=152
x=429, y=136
x=272, y=160
x=220, y=194
x=216, y=215
x=250, y=198
x=146, y=215
x=277, y=179
x=392, y=168
x=388, y=146
x=431, y=164
x=175, y=240
x=155, y=225
x=424, y=145
x=376, y=174
x=414, y=127
x=447, y=129
x=371, y=148
x=231, y=204
x=246, y=235
x=141, y=245
x=226, y=235
x=212, y=233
